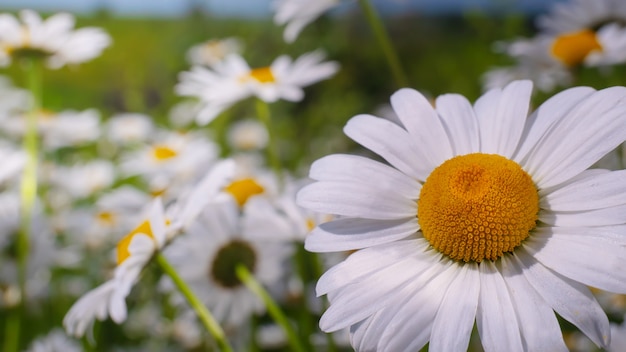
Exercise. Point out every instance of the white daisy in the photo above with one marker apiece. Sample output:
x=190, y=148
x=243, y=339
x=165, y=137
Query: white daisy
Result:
x=171, y=159
x=575, y=15
x=213, y=51
x=54, y=341
x=83, y=180
x=53, y=39
x=297, y=14
x=129, y=128
x=133, y=253
x=206, y=257
x=246, y=135
x=233, y=80
x=484, y=214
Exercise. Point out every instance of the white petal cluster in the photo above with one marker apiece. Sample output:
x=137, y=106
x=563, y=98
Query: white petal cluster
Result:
x=233, y=80
x=54, y=38
x=297, y=14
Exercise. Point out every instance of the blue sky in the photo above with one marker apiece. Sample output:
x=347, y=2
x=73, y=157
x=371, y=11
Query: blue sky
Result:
x=251, y=8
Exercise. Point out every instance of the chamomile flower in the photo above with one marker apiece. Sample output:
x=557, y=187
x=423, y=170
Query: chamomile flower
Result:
x=133, y=253
x=575, y=15
x=484, y=213
x=297, y=14
x=83, y=180
x=213, y=51
x=129, y=128
x=207, y=254
x=247, y=135
x=54, y=341
x=233, y=80
x=53, y=39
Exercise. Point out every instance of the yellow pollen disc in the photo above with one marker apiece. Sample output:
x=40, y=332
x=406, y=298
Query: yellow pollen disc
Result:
x=477, y=206
x=162, y=152
x=572, y=48
x=263, y=75
x=244, y=189
x=106, y=217
x=122, y=245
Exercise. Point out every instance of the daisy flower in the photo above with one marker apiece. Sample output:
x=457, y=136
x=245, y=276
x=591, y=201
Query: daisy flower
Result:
x=53, y=39
x=129, y=128
x=246, y=135
x=207, y=254
x=135, y=250
x=575, y=15
x=213, y=51
x=233, y=80
x=54, y=341
x=485, y=213
x=297, y=14
x=83, y=180
x=133, y=253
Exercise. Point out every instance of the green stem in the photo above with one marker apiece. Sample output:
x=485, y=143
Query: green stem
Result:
x=203, y=313
x=385, y=43
x=12, y=330
x=272, y=308
x=263, y=113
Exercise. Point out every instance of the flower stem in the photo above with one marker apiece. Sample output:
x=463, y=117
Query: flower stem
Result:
x=385, y=43
x=273, y=309
x=263, y=113
x=12, y=330
x=203, y=313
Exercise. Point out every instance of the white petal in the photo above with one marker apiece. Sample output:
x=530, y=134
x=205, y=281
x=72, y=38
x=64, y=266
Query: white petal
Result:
x=355, y=302
x=572, y=300
x=584, y=135
x=497, y=329
x=460, y=122
x=352, y=168
x=411, y=329
x=391, y=142
x=350, y=233
x=367, y=261
x=546, y=115
x=595, y=217
x=423, y=124
x=537, y=322
x=600, y=191
x=501, y=117
x=587, y=260
x=455, y=319
x=355, y=200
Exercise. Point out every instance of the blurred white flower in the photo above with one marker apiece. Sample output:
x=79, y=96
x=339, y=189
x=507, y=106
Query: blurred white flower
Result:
x=55, y=341
x=128, y=128
x=297, y=14
x=53, y=39
x=206, y=257
x=574, y=15
x=213, y=51
x=83, y=180
x=133, y=253
x=233, y=80
x=246, y=135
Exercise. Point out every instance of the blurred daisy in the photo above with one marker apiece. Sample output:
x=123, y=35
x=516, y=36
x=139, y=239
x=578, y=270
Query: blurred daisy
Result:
x=484, y=214
x=133, y=253
x=206, y=257
x=574, y=15
x=170, y=158
x=55, y=341
x=297, y=14
x=83, y=180
x=233, y=80
x=129, y=128
x=54, y=39
x=213, y=51
x=247, y=135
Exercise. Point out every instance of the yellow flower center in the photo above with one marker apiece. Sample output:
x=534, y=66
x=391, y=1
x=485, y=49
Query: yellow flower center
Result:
x=477, y=206
x=124, y=243
x=243, y=189
x=162, y=152
x=572, y=48
x=106, y=218
x=263, y=75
